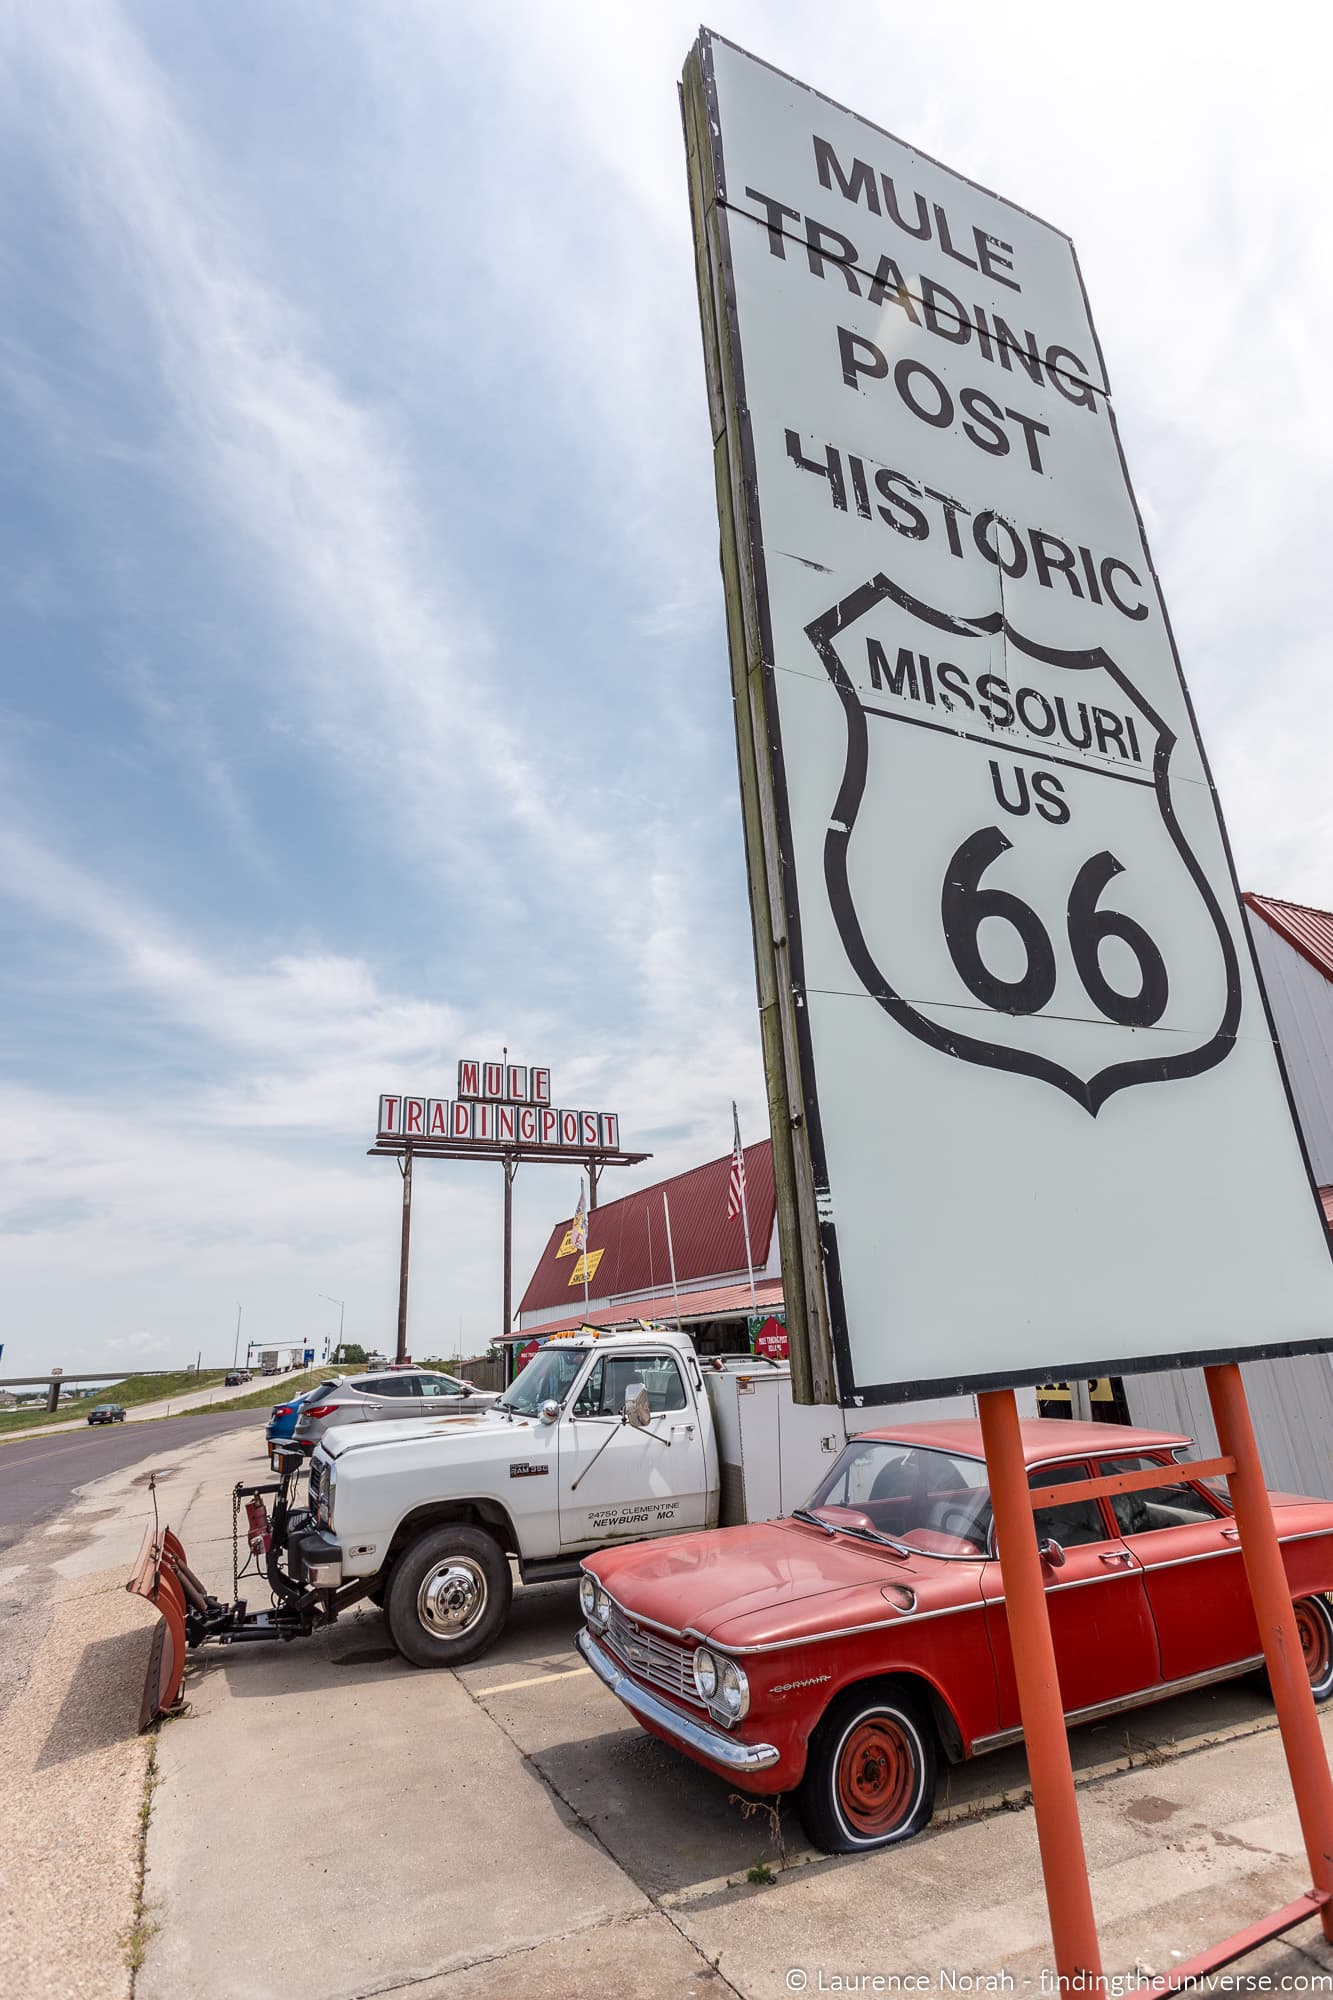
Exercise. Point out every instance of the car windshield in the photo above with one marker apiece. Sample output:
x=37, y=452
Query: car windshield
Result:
x=548, y=1378
x=930, y=1500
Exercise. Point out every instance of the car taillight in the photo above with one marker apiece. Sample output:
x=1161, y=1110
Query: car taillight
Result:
x=283, y=1410
x=320, y=1410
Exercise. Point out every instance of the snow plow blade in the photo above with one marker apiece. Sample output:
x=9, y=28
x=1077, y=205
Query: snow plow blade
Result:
x=163, y=1578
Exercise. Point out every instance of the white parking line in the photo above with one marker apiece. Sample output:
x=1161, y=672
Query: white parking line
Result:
x=537, y=1680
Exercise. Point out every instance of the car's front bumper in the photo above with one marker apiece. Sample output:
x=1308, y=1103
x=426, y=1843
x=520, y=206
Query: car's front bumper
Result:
x=713, y=1745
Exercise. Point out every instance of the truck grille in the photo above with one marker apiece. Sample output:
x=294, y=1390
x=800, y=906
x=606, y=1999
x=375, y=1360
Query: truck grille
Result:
x=313, y=1488
x=653, y=1657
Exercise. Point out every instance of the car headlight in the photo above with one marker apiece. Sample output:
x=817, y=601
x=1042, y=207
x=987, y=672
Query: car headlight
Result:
x=733, y=1690
x=705, y=1673
x=587, y=1596
x=603, y=1607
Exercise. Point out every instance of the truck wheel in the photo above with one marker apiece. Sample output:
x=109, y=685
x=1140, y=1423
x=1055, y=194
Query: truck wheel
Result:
x=448, y=1596
x=870, y=1775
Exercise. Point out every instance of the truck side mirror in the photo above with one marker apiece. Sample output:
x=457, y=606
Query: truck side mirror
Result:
x=550, y=1411
x=638, y=1410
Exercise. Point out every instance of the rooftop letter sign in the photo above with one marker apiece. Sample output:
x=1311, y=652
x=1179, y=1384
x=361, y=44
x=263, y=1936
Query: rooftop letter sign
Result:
x=1029, y=1114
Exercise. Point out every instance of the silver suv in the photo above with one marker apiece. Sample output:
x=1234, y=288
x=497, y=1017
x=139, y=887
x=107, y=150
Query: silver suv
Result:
x=400, y=1392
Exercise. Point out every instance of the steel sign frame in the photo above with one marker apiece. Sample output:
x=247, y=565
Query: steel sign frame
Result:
x=824, y=1354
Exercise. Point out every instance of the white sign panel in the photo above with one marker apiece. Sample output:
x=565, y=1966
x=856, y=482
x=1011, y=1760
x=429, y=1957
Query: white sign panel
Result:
x=1048, y=1125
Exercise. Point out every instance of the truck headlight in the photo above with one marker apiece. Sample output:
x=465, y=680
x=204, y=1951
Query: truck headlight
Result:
x=705, y=1673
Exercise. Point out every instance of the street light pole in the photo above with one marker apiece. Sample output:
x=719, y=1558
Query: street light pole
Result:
x=236, y=1345
x=339, y=1303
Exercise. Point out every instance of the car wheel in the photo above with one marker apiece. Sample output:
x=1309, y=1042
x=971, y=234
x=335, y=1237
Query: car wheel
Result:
x=1314, y=1628
x=448, y=1596
x=870, y=1774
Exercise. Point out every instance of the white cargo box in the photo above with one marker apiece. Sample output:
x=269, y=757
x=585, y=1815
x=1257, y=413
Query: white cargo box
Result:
x=773, y=1452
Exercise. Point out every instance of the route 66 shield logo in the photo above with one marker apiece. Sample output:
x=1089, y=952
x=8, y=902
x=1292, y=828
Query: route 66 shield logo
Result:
x=1011, y=863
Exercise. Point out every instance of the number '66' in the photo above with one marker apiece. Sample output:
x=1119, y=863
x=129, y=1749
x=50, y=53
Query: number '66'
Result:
x=964, y=905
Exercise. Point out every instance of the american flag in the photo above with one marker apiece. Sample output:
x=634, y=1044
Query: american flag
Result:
x=736, y=1185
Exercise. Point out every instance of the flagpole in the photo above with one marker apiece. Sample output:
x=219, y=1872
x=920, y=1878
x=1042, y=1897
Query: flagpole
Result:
x=745, y=1209
x=666, y=1209
x=585, y=1248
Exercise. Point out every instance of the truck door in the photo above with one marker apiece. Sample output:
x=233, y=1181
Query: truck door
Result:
x=618, y=1483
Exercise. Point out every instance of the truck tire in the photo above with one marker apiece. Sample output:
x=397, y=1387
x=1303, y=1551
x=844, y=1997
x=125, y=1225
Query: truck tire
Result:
x=448, y=1597
x=870, y=1773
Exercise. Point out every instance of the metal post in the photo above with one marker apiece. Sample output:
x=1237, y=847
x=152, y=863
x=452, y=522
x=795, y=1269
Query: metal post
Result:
x=1064, y=1865
x=510, y=1166
x=1288, y=1678
x=594, y=1172
x=405, y=1169
x=236, y=1344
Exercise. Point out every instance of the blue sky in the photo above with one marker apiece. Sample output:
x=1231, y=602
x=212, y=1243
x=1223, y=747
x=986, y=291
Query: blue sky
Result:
x=365, y=699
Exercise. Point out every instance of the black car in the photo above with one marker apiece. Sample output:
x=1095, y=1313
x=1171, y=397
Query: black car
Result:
x=235, y=1379
x=106, y=1413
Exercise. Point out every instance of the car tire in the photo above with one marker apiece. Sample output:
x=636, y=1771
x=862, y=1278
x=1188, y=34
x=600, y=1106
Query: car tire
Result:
x=870, y=1771
x=1314, y=1628
x=448, y=1596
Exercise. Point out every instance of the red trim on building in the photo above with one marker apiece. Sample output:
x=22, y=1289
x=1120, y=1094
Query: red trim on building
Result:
x=1310, y=932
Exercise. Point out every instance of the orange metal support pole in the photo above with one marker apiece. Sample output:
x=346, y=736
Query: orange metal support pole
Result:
x=1059, y=1835
x=1297, y=1717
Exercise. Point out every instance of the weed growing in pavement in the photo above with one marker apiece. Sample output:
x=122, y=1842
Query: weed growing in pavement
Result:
x=135, y=1938
x=772, y=1808
x=760, y=1874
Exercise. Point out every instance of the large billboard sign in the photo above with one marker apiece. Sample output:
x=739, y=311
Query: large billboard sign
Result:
x=497, y=1105
x=1027, y=1101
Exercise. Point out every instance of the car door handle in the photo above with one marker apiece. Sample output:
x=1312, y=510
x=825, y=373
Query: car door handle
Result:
x=1115, y=1556
x=1231, y=1534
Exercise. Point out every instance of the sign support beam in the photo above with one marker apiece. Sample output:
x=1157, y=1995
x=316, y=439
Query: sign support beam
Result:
x=1288, y=1677
x=405, y=1169
x=1064, y=1865
x=510, y=1164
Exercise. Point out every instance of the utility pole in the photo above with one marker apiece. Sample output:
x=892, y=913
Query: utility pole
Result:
x=405, y=1169
x=510, y=1165
x=236, y=1344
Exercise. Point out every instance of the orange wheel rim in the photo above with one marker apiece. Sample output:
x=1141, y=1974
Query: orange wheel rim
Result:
x=1314, y=1642
x=877, y=1776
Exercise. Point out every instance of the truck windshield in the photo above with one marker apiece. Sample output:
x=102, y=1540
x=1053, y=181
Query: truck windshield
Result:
x=929, y=1500
x=548, y=1378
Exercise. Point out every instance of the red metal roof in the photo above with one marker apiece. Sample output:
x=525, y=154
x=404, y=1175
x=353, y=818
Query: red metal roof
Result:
x=1310, y=932
x=1326, y=1196
x=710, y=1303
x=631, y=1234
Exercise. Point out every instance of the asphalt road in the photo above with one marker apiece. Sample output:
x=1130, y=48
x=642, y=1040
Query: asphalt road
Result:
x=38, y=1475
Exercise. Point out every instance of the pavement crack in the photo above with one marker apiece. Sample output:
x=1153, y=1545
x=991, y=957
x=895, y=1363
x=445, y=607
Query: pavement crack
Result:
x=580, y=1819
x=498, y=1957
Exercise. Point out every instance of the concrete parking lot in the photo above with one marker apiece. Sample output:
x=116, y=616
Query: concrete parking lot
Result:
x=329, y=1822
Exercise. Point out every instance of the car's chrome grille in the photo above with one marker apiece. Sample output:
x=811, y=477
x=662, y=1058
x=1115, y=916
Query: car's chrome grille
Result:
x=653, y=1657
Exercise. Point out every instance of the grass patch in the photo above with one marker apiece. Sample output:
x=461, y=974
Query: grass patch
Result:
x=270, y=1393
x=139, y=1389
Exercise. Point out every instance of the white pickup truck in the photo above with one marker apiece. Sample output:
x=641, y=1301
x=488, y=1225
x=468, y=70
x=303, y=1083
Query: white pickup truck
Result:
x=601, y=1439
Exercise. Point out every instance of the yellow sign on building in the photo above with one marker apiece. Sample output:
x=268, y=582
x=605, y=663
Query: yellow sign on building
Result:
x=586, y=1267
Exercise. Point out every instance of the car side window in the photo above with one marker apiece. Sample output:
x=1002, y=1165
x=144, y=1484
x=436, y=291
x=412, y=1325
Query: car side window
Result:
x=439, y=1385
x=1078, y=1521
x=384, y=1385
x=1158, y=1507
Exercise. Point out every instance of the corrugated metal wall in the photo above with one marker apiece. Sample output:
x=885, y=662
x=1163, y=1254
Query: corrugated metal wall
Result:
x=1291, y=1402
x=1302, y=1003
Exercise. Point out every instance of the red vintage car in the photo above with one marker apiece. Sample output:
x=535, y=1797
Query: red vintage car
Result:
x=838, y=1653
